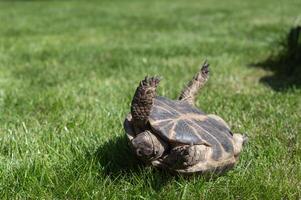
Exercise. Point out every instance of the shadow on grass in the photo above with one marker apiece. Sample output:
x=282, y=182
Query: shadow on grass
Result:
x=285, y=64
x=116, y=158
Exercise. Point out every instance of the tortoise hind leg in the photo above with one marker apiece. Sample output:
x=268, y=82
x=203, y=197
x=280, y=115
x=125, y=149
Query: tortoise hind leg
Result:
x=181, y=157
x=239, y=142
x=190, y=92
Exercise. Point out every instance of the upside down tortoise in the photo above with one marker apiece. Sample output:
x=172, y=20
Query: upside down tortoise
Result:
x=176, y=135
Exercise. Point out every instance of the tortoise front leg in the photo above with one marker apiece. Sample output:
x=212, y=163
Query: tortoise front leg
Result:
x=190, y=92
x=143, y=101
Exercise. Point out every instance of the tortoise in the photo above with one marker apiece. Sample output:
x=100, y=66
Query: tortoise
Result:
x=176, y=135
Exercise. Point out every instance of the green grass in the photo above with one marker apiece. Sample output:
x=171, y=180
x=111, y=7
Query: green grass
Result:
x=68, y=70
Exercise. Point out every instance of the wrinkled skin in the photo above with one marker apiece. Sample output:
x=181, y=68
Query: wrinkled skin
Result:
x=147, y=146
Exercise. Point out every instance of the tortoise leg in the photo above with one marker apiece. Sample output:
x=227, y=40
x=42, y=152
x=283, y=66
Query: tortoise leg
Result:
x=143, y=101
x=190, y=92
x=239, y=142
x=184, y=156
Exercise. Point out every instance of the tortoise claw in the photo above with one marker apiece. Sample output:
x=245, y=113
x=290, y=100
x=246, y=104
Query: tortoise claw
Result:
x=205, y=68
x=150, y=81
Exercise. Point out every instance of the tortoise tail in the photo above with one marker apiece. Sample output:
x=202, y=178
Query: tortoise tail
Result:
x=143, y=99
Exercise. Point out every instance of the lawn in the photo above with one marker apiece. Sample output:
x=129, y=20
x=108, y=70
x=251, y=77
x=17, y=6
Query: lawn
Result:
x=68, y=70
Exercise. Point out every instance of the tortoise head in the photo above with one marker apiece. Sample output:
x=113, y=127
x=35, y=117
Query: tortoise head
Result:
x=147, y=146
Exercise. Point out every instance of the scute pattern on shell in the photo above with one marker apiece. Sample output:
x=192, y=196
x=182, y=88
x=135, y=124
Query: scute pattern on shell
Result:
x=180, y=122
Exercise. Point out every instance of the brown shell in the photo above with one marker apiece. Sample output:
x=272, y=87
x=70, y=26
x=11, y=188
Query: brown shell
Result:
x=180, y=122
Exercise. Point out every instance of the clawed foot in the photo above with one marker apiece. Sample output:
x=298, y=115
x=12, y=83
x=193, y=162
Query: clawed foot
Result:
x=205, y=68
x=189, y=93
x=204, y=73
x=150, y=81
x=143, y=101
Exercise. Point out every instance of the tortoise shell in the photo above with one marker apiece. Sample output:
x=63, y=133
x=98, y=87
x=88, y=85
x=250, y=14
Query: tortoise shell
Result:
x=179, y=122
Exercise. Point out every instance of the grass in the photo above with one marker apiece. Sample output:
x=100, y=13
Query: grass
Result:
x=68, y=70
x=284, y=62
